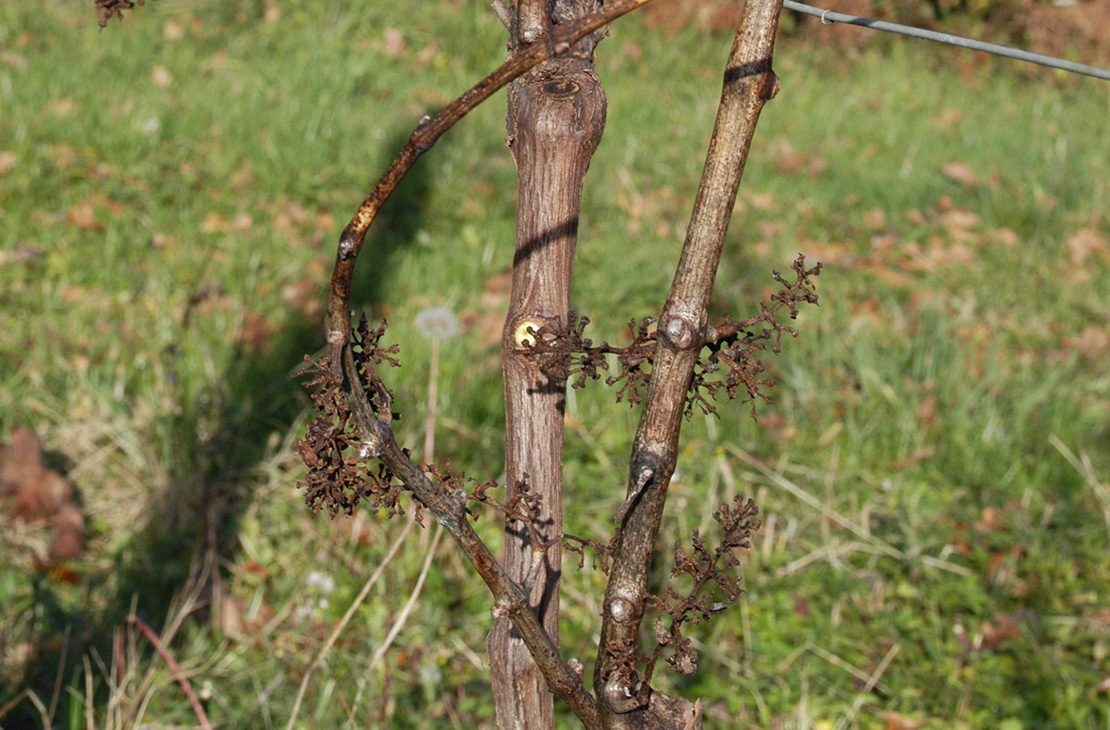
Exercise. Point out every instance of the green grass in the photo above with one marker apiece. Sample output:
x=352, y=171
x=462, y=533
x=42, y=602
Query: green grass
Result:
x=173, y=190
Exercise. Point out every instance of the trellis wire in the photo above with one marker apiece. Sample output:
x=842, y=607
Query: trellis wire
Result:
x=829, y=17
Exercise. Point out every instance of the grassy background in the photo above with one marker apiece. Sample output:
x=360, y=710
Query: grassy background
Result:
x=932, y=476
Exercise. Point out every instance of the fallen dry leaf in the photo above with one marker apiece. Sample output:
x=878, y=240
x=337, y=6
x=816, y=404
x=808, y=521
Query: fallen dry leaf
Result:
x=172, y=30
x=393, y=43
x=69, y=533
x=83, y=216
x=7, y=162
x=898, y=721
x=23, y=253
x=1092, y=342
x=14, y=60
x=1000, y=629
x=161, y=77
x=1005, y=237
x=215, y=223
x=916, y=217
x=948, y=118
x=874, y=219
x=958, y=221
x=304, y=296
x=255, y=332
x=960, y=173
x=39, y=496
x=63, y=107
x=1084, y=243
x=927, y=413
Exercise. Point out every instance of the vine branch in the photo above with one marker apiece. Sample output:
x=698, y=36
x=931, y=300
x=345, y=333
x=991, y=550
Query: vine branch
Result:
x=749, y=82
x=427, y=132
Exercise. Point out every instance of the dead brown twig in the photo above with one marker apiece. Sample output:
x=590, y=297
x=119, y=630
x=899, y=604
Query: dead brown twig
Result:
x=175, y=668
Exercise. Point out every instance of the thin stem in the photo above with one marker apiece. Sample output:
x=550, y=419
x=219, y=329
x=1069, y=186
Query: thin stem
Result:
x=433, y=396
x=403, y=616
x=342, y=625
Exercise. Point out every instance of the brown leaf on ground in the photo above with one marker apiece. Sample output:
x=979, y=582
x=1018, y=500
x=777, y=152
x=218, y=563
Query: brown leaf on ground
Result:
x=161, y=77
x=7, y=162
x=796, y=163
x=69, y=533
x=23, y=253
x=961, y=174
x=948, y=119
x=916, y=217
x=990, y=520
x=874, y=219
x=898, y=721
x=1093, y=343
x=38, y=496
x=14, y=60
x=1085, y=243
x=83, y=216
x=1004, y=237
x=393, y=43
x=215, y=223
x=63, y=107
x=36, y=492
x=255, y=333
x=496, y=290
x=927, y=413
x=172, y=30
x=1000, y=629
x=304, y=296
x=488, y=325
x=239, y=620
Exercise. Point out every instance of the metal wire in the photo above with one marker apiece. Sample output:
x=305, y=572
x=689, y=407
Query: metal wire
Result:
x=828, y=17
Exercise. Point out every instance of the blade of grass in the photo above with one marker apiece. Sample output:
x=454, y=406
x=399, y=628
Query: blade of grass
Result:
x=339, y=627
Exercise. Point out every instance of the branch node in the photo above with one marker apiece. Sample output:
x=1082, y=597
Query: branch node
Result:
x=622, y=610
x=680, y=332
x=348, y=246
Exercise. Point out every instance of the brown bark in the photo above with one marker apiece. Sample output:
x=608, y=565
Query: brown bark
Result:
x=749, y=82
x=560, y=41
x=555, y=120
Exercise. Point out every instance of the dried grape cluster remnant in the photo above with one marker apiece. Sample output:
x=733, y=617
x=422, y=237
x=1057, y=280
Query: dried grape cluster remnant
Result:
x=565, y=354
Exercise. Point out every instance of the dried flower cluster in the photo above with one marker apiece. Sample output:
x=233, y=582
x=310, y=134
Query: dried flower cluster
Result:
x=602, y=553
x=567, y=355
x=713, y=587
x=338, y=473
x=737, y=344
x=108, y=8
x=341, y=474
